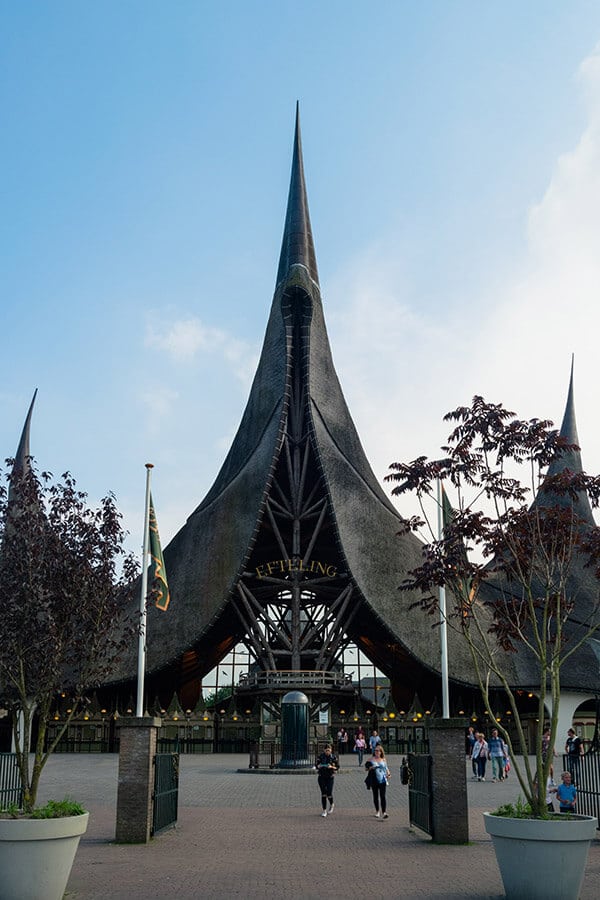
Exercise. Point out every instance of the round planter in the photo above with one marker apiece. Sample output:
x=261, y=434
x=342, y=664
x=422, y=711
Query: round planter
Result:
x=541, y=858
x=36, y=856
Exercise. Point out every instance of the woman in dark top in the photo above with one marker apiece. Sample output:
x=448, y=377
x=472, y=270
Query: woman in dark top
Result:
x=327, y=766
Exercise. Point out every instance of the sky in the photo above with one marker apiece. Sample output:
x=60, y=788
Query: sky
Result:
x=452, y=158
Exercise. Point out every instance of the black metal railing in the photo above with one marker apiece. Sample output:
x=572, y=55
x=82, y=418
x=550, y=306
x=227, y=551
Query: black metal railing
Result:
x=288, y=679
x=166, y=791
x=85, y=745
x=11, y=787
x=420, y=794
x=268, y=754
x=585, y=772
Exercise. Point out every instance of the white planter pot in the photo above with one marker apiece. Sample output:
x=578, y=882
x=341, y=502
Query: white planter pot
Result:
x=541, y=858
x=36, y=856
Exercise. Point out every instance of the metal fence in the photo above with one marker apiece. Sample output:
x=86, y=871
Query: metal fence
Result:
x=166, y=791
x=11, y=788
x=420, y=795
x=585, y=772
x=267, y=754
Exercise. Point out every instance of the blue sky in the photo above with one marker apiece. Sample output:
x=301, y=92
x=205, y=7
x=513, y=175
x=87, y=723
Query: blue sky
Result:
x=452, y=154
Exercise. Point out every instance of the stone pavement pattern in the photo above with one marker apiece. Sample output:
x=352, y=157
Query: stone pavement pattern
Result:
x=241, y=834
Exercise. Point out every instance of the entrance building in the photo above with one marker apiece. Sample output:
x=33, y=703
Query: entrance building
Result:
x=286, y=576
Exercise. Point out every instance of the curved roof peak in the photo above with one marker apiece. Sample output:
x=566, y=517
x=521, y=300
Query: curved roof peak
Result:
x=568, y=430
x=23, y=452
x=571, y=459
x=22, y=462
x=297, y=246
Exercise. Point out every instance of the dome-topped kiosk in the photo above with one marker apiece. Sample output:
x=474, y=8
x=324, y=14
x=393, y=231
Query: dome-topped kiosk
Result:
x=294, y=731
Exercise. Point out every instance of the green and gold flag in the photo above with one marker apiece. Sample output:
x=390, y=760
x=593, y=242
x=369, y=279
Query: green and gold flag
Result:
x=160, y=588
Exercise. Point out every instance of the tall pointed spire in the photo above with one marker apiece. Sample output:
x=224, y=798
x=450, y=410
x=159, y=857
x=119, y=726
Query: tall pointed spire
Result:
x=568, y=430
x=21, y=464
x=297, y=247
x=572, y=460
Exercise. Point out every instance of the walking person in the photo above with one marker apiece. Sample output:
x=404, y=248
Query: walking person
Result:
x=480, y=755
x=327, y=766
x=497, y=755
x=360, y=745
x=574, y=751
x=506, y=760
x=472, y=740
x=342, y=739
x=380, y=776
x=550, y=789
x=374, y=741
x=546, y=744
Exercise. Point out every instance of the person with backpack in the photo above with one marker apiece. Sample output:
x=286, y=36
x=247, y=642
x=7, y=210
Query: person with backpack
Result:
x=380, y=776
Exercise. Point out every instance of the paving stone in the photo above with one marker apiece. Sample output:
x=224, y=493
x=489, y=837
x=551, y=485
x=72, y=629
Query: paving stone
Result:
x=254, y=836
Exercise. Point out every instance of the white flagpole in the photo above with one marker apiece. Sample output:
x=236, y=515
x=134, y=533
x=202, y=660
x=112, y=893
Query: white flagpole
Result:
x=141, y=669
x=443, y=624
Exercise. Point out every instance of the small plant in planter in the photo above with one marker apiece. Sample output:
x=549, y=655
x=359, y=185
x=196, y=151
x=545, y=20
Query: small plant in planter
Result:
x=512, y=555
x=66, y=580
x=53, y=809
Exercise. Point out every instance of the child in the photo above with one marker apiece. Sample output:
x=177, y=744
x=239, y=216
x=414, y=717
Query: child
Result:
x=550, y=789
x=566, y=794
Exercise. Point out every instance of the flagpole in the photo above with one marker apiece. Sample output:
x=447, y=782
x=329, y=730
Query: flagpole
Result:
x=141, y=668
x=443, y=624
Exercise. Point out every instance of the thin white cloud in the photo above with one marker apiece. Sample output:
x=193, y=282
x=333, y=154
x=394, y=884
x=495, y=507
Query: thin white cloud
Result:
x=552, y=308
x=402, y=370
x=160, y=402
x=186, y=339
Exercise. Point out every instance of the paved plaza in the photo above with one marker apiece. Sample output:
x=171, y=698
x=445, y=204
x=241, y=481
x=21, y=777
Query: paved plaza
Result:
x=242, y=834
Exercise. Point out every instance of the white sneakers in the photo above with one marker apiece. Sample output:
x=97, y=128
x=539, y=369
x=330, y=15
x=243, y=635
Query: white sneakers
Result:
x=331, y=808
x=324, y=814
x=377, y=815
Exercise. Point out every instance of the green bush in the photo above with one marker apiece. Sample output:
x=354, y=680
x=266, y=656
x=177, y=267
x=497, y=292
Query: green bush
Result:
x=58, y=809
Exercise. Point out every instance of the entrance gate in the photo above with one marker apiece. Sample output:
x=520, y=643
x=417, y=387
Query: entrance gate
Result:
x=166, y=791
x=420, y=792
x=11, y=789
x=587, y=779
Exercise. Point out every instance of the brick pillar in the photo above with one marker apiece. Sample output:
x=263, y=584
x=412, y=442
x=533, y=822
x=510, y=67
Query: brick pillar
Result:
x=449, y=780
x=136, y=779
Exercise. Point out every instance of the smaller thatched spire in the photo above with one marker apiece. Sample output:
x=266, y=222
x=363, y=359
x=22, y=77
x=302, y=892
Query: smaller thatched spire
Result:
x=571, y=460
x=22, y=456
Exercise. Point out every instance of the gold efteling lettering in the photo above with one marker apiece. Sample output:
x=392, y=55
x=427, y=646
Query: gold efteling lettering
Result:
x=284, y=566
